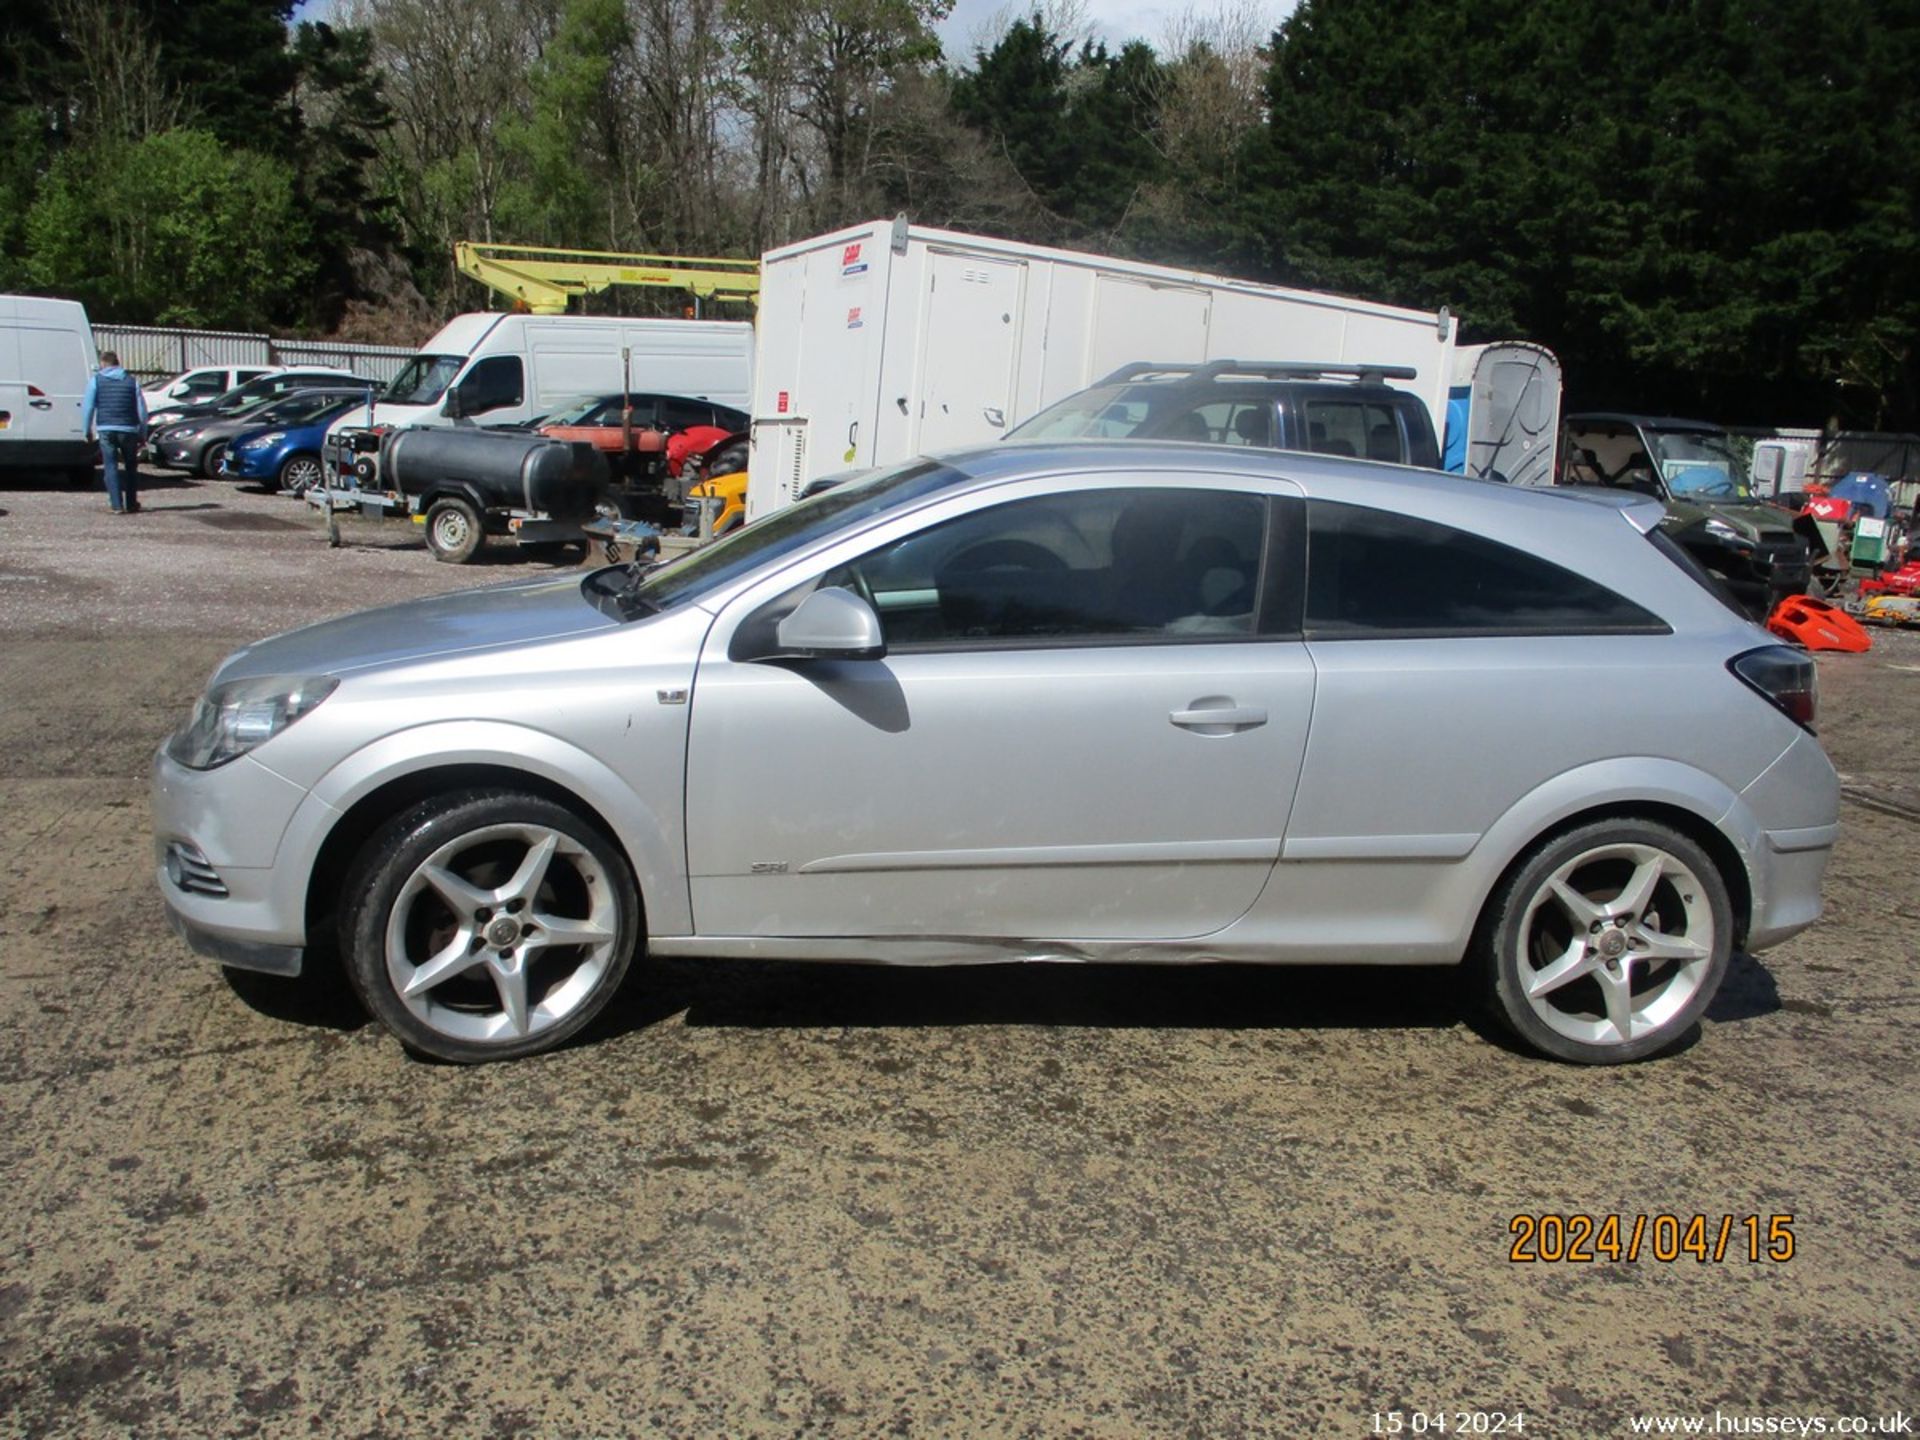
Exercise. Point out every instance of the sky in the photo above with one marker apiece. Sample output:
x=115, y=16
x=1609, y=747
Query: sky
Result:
x=1114, y=21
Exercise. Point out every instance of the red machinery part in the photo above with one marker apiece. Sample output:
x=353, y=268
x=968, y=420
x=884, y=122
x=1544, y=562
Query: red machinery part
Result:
x=1816, y=625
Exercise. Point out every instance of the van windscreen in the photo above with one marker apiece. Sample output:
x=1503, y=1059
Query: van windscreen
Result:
x=423, y=379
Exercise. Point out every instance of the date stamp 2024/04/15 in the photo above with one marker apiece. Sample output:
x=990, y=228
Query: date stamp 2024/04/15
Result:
x=1582, y=1239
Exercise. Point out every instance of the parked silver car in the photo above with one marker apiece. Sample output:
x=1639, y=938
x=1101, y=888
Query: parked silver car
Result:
x=1115, y=702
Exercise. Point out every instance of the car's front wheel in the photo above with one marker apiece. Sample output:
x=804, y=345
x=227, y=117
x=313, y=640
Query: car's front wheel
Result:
x=298, y=474
x=488, y=925
x=1608, y=942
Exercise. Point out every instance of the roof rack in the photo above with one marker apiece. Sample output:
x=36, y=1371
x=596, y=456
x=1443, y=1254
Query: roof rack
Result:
x=1265, y=369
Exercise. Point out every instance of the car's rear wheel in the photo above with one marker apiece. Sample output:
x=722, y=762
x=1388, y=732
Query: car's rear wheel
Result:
x=454, y=532
x=1608, y=942
x=488, y=925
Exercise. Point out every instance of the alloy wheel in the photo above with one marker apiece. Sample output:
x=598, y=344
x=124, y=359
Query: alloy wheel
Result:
x=502, y=933
x=1616, y=942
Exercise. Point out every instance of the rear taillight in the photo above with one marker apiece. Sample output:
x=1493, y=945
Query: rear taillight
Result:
x=1787, y=679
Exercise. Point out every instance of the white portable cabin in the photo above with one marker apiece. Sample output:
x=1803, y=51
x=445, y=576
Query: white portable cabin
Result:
x=46, y=359
x=506, y=369
x=1503, y=414
x=890, y=340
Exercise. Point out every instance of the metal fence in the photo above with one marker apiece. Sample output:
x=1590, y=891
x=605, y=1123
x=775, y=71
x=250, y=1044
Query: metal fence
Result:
x=155, y=352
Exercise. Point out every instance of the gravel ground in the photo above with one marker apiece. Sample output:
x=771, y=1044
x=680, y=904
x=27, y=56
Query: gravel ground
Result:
x=778, y=1200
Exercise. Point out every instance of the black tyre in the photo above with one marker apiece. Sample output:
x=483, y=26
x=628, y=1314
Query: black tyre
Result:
x=1606, y=944
x=729, y=459
x=210, y=459
x=299, y=473
x=488, y=925
x=454, y=533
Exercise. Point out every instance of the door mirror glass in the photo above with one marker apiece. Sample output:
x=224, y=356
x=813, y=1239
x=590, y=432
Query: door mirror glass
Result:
x=831, y=624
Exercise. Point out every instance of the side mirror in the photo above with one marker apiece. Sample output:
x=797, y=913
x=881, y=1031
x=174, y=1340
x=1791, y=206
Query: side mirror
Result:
x=831, y=624
x=453, y=409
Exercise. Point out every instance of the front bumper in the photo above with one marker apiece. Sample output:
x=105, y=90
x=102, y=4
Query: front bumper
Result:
x=247, y=464
x=242, y=954
x=237, y=818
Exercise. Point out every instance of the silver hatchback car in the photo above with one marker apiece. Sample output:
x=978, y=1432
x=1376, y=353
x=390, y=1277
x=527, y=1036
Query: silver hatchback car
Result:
x=1088, y=702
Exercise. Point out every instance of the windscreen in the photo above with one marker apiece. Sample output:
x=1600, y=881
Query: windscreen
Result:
x=1106, y=412
x=783, y=533
x=423, y=379
x=1702, y=464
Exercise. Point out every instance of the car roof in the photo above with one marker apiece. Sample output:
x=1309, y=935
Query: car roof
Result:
x=1327, y=477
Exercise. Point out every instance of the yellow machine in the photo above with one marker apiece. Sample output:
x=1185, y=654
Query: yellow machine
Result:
x=542, y=280
x=731, y=491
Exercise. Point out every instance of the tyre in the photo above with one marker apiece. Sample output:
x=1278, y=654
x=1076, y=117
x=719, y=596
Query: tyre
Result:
x=298, y=474
x=1607, y=943
x=453, y=530
x=488, y=925
x=211, y=457
x=729, y=459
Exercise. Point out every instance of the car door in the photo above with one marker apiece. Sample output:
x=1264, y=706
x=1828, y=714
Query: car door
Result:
x=1084, y=727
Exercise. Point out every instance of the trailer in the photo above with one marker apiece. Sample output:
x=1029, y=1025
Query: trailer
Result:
x=889, y=340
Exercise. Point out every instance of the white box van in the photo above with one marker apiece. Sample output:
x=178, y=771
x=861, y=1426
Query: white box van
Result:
x=487, y=369
x=46, y=359
x=889, y=340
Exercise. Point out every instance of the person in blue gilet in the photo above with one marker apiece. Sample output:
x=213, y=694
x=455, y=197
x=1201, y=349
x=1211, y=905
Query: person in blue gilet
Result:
x=116, y=412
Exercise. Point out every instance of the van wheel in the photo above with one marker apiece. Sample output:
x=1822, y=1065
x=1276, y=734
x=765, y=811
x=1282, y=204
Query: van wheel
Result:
x=453, y=531
x=1607, y=943
x=489, y=924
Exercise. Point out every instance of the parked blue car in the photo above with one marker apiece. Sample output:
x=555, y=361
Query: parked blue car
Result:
x=284, y=452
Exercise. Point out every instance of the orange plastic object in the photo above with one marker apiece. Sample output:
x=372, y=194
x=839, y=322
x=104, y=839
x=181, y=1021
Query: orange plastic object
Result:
x=1817, y=625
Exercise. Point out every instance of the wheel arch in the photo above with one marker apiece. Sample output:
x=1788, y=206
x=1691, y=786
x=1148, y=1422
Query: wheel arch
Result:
x=352, y=801
x=1691, y=822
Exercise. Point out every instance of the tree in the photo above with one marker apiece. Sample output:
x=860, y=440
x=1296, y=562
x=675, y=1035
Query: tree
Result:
x=1079, y=128
x=174, y=229
x=1700, y=205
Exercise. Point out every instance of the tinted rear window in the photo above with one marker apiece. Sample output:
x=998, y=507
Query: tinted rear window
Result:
x=1374, y=573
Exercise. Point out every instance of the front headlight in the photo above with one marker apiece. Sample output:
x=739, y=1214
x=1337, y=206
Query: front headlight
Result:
x=260, y=442
x=185, y=432
x=1721, y=530
x=231, y=719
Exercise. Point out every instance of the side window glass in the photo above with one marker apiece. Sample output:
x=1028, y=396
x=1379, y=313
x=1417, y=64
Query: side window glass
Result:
x=493, y=383
x=1353, y=427
x=1110, y=565
x=1223, y=422
x=1375, y=572
x=201, y=387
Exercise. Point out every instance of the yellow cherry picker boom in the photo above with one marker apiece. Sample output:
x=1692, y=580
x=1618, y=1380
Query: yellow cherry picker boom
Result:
x=541, y=280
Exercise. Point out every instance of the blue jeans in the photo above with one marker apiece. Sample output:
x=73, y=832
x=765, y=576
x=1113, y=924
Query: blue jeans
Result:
x=118, y=448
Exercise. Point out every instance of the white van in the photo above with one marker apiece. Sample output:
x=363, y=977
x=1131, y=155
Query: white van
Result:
x=487, y=369
x=46, y=359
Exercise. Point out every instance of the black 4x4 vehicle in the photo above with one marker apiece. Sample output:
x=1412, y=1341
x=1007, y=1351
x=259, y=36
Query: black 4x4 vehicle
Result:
x=1693, y=469
x=1331, y=409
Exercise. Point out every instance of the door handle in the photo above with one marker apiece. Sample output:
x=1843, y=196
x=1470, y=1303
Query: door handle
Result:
x=1220, y=719
x=41, y=404
x=995, y=417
